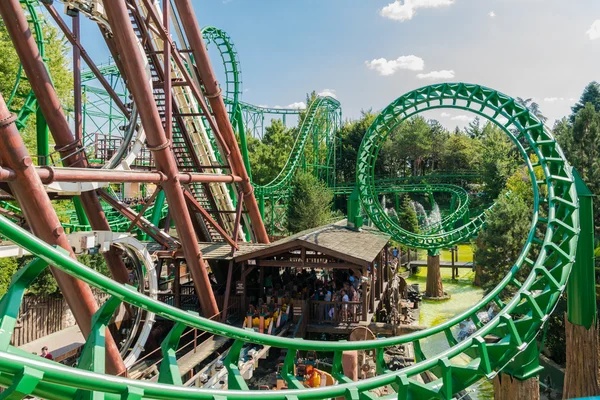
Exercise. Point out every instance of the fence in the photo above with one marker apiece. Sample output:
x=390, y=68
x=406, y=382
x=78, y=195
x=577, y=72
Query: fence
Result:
x=40, y=316
x=335, y=311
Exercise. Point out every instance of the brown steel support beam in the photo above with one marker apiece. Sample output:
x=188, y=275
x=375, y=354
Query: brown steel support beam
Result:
x=51, y=174
x=227, y=292
x=69, y=148
x=170, y=104
x=213, y=93
x=238, y=217
x=167, y=73
x=133, y=63
x=224, y=148
x=143, y=210
x=74, y=40
x=77, y=79
x=39, y=213
x=153, y=231
x=194, y=203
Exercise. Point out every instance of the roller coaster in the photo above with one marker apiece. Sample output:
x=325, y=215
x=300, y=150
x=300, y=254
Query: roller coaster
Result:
x=180, y=133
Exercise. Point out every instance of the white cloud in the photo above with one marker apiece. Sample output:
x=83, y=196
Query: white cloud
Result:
x=572, y=99
x=445, y=115
x=437, y=75
x=327, y=92
x=389, y=67
x=594, y=31
x=553, y=99
x=492, y=14
x=399, y=11
x=298, y=104
x=463, y=118
x=263, y=105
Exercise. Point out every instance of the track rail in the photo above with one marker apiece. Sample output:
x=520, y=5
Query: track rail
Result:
x=548, y=255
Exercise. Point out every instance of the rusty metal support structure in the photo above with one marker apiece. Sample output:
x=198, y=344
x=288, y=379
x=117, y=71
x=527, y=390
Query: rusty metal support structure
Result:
x=213, y=93
x=33, y=65
x=69, y=148
x=29, y=191
x=133, y=64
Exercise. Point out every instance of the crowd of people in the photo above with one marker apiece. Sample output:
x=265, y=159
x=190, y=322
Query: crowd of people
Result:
x=134, y=201
x=335, y=286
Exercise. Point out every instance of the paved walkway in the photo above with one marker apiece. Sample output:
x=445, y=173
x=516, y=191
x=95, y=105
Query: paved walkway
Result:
x=59, y=343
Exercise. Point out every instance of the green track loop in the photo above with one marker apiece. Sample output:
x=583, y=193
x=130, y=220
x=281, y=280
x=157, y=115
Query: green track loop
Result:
x=548, y=255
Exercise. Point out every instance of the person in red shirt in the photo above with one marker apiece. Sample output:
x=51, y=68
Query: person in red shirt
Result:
x=46, y=354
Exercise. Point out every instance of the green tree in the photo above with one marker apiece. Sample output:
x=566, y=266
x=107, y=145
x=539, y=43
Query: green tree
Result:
x=533, y=107
x=581, y=144
x=407, y=216
x=56, y=53
x=268, y=157
x=459, y=153
x=351, y=136
x=500, y=242
x=499, y=160
x=591, y=94
x=8, y=267
x=310, y=203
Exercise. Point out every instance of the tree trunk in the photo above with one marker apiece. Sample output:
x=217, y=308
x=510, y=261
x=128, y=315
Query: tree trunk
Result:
x=477, y=279
x=582, y=374
x=508, y=388
x=434, y=277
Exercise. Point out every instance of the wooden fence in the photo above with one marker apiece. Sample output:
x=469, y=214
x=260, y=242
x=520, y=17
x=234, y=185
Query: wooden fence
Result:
x=40, y=316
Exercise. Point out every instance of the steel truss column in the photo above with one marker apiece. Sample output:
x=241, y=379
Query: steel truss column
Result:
x=69, y=148
x=41, y=217
x=213, y=93
x=133, y=63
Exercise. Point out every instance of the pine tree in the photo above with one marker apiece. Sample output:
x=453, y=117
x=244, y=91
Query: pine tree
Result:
x=407, y=217
x=310, y=203
x=591, y=94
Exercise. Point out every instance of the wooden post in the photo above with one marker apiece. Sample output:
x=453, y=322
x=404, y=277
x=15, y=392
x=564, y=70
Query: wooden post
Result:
x=227, y=292
x=365, y=298
x=177, y=284
x=372, y=294
x=243, y=278
x=261, y=281
x=434, y=289
x=507, y=387
x=452, y=257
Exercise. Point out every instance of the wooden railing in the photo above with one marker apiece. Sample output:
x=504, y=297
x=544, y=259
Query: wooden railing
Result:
x=335, y=311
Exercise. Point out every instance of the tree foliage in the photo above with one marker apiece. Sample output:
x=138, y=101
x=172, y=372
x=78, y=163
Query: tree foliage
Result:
x=500, y=242
x=591, y=94
x=310, y=203
x=268, y=157
x=499, y=160
x=56, y=52
x=407, y=216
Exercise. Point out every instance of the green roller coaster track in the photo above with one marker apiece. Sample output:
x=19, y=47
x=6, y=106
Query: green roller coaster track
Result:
x=548, y=256
x=524, y=305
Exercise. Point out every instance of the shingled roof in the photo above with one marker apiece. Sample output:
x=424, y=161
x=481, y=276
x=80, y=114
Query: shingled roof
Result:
x=338, y=240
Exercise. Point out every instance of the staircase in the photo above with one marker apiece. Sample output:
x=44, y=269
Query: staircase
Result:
x=184, y=147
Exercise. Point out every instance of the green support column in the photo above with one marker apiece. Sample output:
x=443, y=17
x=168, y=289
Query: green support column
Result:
x=42, y=138
x=261, y=204
x=581, y=329
x=582, y=282
x=397, y=202
x=243, y=142
x=81, y=216
x=159, y=203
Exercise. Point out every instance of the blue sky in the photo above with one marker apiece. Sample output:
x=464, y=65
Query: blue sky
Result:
x=545, y=49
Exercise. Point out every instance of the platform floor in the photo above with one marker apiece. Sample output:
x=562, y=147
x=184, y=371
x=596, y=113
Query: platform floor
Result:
x=59, y=343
